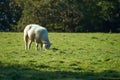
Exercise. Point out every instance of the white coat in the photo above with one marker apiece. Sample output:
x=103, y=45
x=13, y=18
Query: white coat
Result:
x=37, y=33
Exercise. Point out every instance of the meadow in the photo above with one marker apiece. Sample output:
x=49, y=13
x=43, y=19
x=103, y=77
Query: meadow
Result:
x=72, y=56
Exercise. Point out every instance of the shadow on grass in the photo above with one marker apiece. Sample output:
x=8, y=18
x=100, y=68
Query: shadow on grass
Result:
x=18, y=72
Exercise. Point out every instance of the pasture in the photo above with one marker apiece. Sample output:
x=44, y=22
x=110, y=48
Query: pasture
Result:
x=72, y=56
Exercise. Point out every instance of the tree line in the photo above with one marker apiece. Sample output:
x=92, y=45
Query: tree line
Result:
x=61, y=15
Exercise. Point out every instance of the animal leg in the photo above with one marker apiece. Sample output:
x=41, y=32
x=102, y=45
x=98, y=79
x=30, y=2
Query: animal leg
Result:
x=29, y=45
x=26, y=41
x=41, y=45
x=26, y=44
x=37, y=46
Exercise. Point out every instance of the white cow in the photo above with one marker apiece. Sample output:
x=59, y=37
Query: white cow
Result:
x=36, y=33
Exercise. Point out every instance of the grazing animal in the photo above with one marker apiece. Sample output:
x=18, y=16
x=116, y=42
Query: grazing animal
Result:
x=37, y=33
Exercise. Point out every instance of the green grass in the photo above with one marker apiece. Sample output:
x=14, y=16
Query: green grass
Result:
x=72, y=56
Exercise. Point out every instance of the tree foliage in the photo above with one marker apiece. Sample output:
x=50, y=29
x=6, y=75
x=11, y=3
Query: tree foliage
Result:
x=61, y=15
x=9, y=14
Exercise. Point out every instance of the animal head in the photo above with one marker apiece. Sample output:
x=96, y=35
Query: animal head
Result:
x=46, y=45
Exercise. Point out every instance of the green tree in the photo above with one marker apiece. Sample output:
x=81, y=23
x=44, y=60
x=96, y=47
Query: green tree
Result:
x=110, y=14
x=61, y=15
x=9, y=14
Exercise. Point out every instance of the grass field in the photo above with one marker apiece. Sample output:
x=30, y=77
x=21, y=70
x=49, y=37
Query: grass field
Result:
x=72, y=56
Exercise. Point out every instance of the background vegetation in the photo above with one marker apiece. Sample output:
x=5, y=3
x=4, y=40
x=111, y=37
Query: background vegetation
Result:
x=61, y=15
x=87, y=56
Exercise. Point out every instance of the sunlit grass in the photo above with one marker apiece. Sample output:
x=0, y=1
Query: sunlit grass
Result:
x=72, y=56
